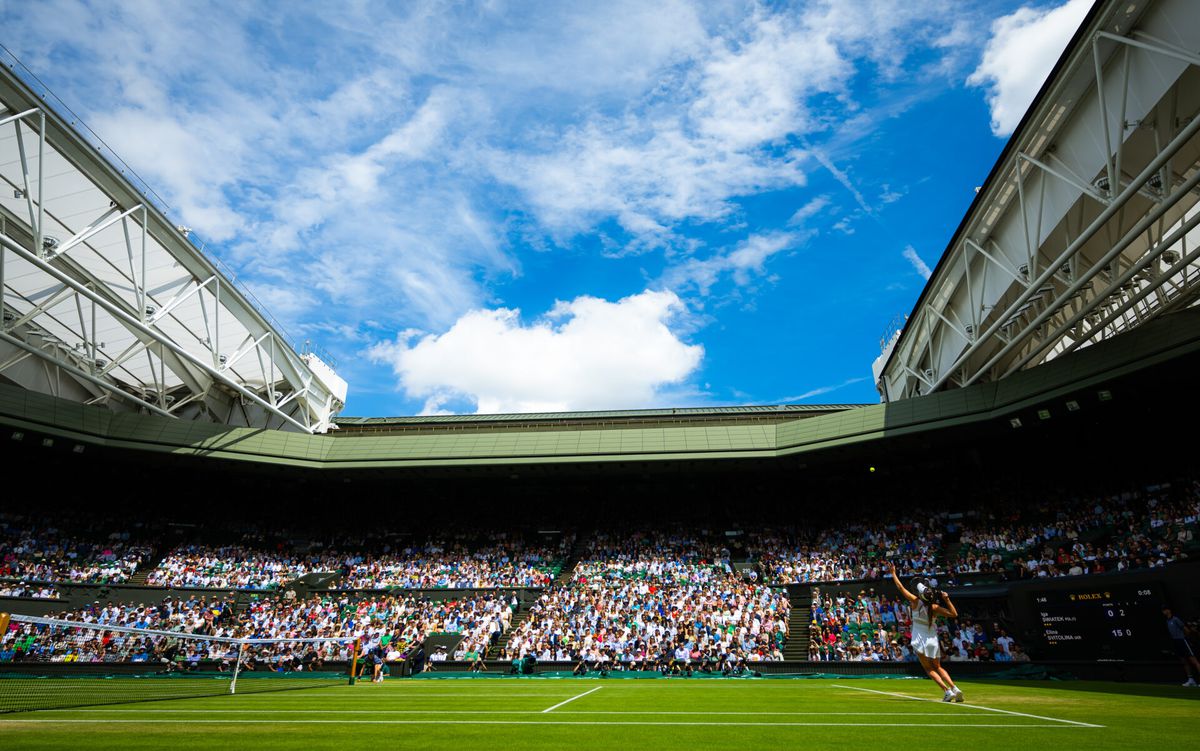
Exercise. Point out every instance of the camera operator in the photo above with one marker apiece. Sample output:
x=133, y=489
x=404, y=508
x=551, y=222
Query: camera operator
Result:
x=925, y=604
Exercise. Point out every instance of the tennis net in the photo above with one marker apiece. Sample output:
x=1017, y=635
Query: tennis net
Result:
x=46, y=663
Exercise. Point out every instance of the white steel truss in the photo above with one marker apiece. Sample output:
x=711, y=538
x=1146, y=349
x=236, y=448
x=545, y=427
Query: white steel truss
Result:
x=105, y=301
x=1087, y=226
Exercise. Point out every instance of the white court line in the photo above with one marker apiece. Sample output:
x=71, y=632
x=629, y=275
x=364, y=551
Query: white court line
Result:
x=114, y=710
x=573, y=698
x=532, y=722
x=366, y=697
x=972, y=706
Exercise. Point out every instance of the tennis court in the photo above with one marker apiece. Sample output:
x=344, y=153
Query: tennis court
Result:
x=594, y=713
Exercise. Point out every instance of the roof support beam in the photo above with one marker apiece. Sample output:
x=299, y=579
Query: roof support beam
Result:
x=137, y=326
x=35, y=218
x=184, y=315
x=1149, y=43
x=1075, y=286
x=1176, y=236
x=1069, y=178
x=179, y=298
x=103, y=222
x=1109, y=211
x=60, y=294
x=79, y=373
x=1017, y=277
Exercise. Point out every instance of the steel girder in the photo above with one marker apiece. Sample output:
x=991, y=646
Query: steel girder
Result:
x=125, y=308
x=1087, y=227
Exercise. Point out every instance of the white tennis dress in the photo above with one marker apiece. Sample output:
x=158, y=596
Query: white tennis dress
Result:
x=924, y=632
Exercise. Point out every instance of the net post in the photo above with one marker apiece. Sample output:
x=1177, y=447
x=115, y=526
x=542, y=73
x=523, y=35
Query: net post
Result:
x=237, y=668
x=354, y=661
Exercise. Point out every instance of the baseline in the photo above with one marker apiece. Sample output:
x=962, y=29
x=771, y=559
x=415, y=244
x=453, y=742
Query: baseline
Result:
x=132, y=711
x=110, y=721
x=972, y=706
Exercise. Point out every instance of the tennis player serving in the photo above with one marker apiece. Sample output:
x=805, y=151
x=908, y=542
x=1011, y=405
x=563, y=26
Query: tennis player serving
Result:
x=924, y=605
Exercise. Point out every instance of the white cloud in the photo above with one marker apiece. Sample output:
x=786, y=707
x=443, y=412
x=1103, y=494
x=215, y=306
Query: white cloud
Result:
x=584, y=354
x=755, y=93
x=184, y=161
x=1023, y=48
x=610, y=49
x=720, y=124
x=885, y=31
x=745, y=262
x=842, y=178
x=645, y=174
x=719, y=129
x=809, y=210
x=394, y=162
x=346, y=182
x=819, y=391
x=922, y=268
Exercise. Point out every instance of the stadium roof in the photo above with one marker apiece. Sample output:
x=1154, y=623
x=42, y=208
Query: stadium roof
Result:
x=27, y=415
x=108, y=301
x=1085, y=227
x=751, y=413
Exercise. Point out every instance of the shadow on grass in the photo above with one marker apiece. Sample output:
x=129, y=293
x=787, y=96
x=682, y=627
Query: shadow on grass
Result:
x=1156, y=690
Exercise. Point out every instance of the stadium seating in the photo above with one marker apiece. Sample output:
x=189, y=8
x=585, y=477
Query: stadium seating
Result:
x=645, y=600
x=41, y=552
x=871, y=627
x=393, y=622
x=497, y=561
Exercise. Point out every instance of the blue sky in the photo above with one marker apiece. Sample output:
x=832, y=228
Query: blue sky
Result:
x=520, y=207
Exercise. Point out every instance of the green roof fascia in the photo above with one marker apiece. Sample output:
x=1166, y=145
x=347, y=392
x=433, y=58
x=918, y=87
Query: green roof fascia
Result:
x=1156, y=342
x=1166, y=339
x=21, y=409
x=579, y=445
x=45, y=414
x=779, y=409
x=519, y=461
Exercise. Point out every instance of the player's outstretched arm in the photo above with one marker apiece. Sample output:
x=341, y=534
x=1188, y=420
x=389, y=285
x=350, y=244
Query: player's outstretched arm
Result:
x=899, y=585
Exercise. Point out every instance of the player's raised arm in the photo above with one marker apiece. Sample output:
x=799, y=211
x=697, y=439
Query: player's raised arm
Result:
x=899, y=585
x=946, y=607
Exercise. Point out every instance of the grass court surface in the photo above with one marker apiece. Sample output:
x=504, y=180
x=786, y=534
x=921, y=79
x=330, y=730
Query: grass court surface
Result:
x=547, y=713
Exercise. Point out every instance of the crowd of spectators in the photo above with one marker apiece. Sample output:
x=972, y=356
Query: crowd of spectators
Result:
x=387, y=624
x=677, y=556
x=25, y=589
x=648, y=601
x=1133, y=530
x=499, y=560
x=871, y=627
x=236, y=567
x=1062, y=537
x=103, y=641
x=496, y=560
x=43, y=552
x=1054, y=537
x=851, y=551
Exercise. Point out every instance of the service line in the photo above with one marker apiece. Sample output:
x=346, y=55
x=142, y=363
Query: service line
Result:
x=573, y=698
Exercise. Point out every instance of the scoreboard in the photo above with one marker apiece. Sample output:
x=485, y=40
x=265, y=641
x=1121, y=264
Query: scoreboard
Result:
x=1109, y=622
